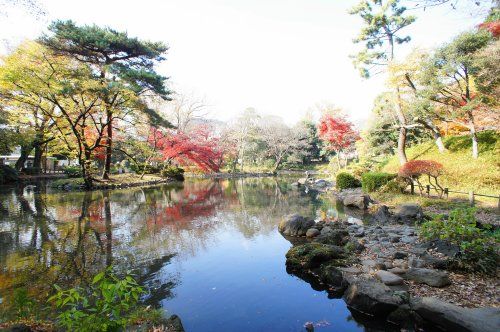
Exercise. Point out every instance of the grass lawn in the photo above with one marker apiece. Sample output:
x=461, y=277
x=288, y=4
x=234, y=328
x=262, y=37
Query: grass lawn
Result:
x=462, y=172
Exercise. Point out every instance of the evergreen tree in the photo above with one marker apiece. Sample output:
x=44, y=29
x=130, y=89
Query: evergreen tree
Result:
x=122, y=62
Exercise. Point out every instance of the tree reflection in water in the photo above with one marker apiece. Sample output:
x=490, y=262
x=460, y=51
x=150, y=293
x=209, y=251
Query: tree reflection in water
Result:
x=49, y=237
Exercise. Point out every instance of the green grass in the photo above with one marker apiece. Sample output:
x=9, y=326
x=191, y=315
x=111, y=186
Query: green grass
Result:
x=462, y=172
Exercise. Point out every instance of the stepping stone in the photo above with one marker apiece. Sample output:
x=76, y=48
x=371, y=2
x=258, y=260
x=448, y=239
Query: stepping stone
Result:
x=389, y=278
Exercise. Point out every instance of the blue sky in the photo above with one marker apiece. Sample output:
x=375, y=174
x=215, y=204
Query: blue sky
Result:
x=278, y=56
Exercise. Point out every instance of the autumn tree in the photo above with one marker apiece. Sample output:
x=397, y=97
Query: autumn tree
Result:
x=280, y=140
x=449, y=80
x=337, y=133
x=383, y=21
x=122, y=63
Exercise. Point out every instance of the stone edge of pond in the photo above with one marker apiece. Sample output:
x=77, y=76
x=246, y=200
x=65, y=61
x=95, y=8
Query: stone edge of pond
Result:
x=323, y=260
x=110, y=186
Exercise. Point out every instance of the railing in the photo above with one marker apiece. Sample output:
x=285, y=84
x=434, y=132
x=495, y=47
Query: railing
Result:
x=446, y=191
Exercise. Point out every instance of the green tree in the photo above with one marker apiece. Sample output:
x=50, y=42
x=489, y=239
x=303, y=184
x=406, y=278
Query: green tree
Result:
x=122, y=63
x=449, y=80
x=381, y=32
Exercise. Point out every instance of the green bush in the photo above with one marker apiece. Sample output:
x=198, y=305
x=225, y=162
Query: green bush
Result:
x=395, y=186
x=8, y=174
x=150, y=169
x=372, y=181
x=108, y=305
x=173, y=172
x=73, y=171
x=478, y=251
x=346, y=180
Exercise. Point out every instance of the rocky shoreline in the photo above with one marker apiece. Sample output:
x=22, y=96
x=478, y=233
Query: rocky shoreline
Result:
x=381, y=267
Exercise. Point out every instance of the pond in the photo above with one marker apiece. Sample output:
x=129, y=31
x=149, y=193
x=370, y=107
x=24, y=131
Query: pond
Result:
x=207, y=250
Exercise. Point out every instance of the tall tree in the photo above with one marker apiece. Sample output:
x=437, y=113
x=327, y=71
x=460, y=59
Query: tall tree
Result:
x=122, y=62
x=449, y=80
x=383, y=21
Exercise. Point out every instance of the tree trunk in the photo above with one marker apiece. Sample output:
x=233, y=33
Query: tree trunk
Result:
x=25, y=151
x=338, y=160
x=107, y=160
x=402, y=130
x=472, y=128
x=86, y=170
x=436, y=134
x=37, y=161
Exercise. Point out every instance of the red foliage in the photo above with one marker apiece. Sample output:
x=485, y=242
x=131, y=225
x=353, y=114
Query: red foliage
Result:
x=493, y=27
x=196, y=147
x=416, y=168
x=338, y=132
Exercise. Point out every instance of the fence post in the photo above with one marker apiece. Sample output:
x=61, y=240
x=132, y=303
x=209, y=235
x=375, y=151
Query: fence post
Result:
x=428, y=190
x=471, y=198
x=446, y=192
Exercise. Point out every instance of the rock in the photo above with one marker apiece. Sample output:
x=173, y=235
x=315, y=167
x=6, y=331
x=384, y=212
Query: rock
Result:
x=312, y=255
x=397, y=270
x=295, y=225
x=302, y=181
x=336, y=237
x=382, y=215
x=402, y=316
x=371, y=265
x=333, y=277
x=372, y=297
x=453, y=318
x=408, y=213
x=389, y=278
x=357, y=200
x=400, y=255
x=174, y=324
x=409, y=239
x=430, y=277
x=312, y=232
x=351, y=270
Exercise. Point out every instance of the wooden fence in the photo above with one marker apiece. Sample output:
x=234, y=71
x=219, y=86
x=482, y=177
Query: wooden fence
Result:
x=446, y=191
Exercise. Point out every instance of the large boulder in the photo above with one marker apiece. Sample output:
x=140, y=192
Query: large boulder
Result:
x=408, y=213
x=382, y=215
x=334, y=278
x=312, y=255
x=333, y=235
x=372, y=297
x=359, y=201
x=453, y=318
x=430, y=277
x=295, y=225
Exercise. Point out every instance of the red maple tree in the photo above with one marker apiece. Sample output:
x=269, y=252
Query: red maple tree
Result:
x=197, y=148
x=337, y=132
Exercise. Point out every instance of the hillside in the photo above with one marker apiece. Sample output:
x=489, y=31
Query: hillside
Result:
x=462, y=172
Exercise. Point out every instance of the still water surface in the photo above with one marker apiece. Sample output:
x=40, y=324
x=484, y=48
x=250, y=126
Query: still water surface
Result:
x=207, y=250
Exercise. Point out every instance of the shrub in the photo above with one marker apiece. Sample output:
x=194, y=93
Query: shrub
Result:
x=149, y=169
x=372, y=181
x=477, y=245
x=8, y=174
x=396, y=186
x=173, y=172
x=73, y=171
x=414, y=169
x=108, y=304
x=346, y=180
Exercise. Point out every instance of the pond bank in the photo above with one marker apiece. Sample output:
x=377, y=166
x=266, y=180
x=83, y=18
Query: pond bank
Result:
x=381, y=269
x=115, y=182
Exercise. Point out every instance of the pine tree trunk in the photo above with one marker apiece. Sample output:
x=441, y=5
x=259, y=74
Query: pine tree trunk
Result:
x=37, y=161
x=109, y=149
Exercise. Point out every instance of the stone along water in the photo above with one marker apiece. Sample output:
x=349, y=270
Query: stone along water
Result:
x=206, y=250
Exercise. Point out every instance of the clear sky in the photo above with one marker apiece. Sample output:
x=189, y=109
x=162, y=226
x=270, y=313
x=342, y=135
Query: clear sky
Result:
x=278, y=56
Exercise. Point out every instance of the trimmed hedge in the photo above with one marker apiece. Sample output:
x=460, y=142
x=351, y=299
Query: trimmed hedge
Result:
x=346, y=180
x=372, y=181
x=173, y=172
x=8, y=174
x=150, y=169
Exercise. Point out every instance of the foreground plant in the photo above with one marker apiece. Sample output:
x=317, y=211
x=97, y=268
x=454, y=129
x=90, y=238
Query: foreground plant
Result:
x=478, y=246
x=109, y=304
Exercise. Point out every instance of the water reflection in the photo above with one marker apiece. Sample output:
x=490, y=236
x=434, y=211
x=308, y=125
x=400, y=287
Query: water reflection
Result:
x=204, y=249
